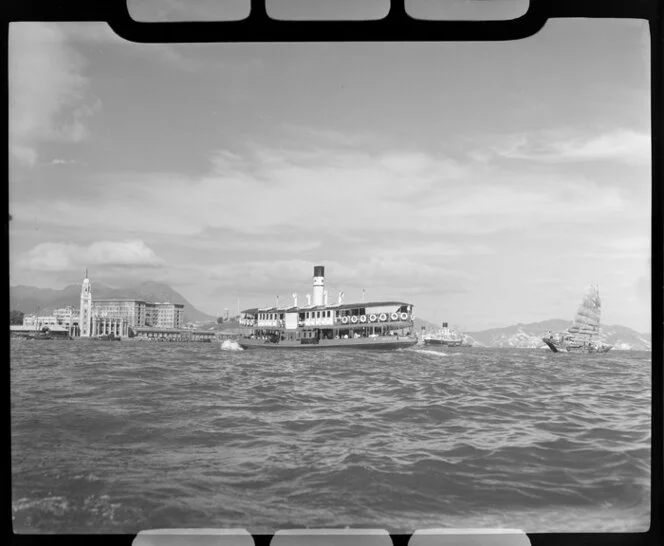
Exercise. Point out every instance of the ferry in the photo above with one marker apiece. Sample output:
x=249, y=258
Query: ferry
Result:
x=318, y=325
x=445, y=337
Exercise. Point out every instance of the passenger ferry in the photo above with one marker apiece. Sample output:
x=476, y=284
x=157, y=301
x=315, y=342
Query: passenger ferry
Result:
x=445, y=337
x=318, y=325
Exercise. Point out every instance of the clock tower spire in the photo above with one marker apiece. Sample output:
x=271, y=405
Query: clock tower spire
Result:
x=85, y=317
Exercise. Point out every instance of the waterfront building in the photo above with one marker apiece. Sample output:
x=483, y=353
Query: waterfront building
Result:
x=173, y=334
x=37, y=322
x=168, y=315
x=66, y=315
x=65, y=319
x=131, y=310
x=150, y=314
x=117, y=316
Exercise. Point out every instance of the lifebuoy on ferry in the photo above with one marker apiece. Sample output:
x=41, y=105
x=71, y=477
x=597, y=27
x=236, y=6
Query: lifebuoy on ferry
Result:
x=404, y=316
x=353, y=319
x=344, y=320
x=394, y=316
x=372, y=318
x=363, y=318
x=383, y=317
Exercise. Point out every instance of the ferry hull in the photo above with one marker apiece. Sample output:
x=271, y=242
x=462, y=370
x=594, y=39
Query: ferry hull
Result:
x=443, y=342
x=385, y=343
x=557, y=347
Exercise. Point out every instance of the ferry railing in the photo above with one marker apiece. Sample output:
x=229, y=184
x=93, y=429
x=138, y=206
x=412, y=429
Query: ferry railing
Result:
x=377, y=322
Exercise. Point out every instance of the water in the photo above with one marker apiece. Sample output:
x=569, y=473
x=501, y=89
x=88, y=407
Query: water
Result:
x=112, y=437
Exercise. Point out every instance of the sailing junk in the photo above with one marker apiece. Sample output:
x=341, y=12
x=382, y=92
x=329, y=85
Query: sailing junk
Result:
x=578, y=338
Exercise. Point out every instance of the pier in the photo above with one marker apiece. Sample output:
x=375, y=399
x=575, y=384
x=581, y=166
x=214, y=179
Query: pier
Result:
x=171, y=334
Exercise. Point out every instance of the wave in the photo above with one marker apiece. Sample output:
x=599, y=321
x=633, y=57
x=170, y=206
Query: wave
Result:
x=230, y=345
x=426, y=352
x=150, y=435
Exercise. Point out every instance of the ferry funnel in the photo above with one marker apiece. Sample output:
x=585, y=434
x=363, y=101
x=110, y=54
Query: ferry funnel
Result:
x=319, y=285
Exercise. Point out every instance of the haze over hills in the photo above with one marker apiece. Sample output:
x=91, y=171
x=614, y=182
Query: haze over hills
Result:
x=28, y=298
x=530, y=335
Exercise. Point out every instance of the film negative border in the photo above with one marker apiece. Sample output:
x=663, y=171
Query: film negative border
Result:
x=259, y=27
x=397, y=26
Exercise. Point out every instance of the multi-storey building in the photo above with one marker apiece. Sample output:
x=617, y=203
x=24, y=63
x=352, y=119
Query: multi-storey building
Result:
x=150, y=314
x=169, y=315
x=39, y=321
x=131, y=310
x=66, y=315
x=66, y=318
x=118, y=315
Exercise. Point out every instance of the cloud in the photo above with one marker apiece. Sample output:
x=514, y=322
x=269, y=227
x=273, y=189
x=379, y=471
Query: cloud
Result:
x=636, y=243
x=49, y=97
x=330, y=191
x=379, y=275
x=24, y=154
x=557, y=147
x=69, y=256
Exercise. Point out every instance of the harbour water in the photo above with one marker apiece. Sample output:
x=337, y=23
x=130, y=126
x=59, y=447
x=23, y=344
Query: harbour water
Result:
x=118, y=437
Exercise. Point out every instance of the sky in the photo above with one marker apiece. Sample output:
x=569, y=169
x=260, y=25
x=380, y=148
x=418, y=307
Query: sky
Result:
x=485, y=183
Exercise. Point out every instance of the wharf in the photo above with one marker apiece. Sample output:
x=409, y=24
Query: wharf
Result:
x=171, y=334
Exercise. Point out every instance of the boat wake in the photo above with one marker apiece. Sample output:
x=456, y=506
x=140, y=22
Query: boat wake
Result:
x=425, y=352
x=230, y=345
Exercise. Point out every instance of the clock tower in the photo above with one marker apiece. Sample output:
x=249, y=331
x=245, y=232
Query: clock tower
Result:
x=85, y=318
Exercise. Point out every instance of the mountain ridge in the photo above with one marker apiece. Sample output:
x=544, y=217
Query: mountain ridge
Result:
x=529, y=335
x=29, y=298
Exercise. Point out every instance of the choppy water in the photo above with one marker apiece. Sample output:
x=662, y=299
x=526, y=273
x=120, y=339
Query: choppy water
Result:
x=119, y=437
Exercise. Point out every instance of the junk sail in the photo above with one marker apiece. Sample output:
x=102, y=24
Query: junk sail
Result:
x=587, y=320
x=578, y=338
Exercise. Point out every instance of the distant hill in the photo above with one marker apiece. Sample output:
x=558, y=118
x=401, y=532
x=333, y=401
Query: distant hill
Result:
x=419, y=323
x=530, y=336
x=29, y=298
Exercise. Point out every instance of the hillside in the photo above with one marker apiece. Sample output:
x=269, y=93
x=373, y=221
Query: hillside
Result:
x=420, y=323
x=530, y=336
x=29, y=298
